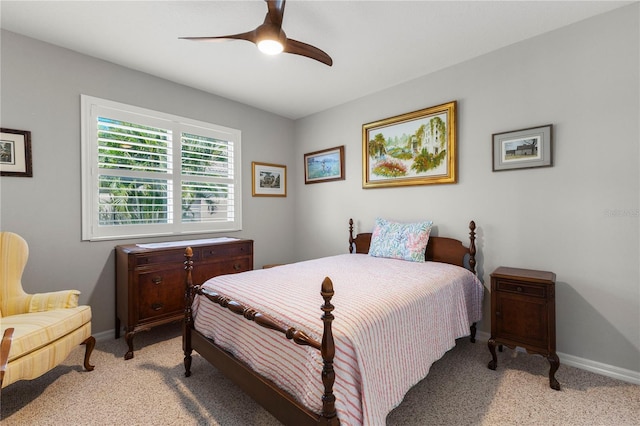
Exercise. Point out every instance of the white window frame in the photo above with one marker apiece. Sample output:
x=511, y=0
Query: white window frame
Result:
x=91, y=109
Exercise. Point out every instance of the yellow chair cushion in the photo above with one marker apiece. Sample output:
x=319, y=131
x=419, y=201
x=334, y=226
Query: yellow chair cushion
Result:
x=38, y=362
x=35, y=330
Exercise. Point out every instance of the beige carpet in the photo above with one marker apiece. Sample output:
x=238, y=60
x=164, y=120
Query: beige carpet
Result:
x=151, y=389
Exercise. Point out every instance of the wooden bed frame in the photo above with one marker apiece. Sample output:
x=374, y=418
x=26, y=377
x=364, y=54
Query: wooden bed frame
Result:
x=265, y=392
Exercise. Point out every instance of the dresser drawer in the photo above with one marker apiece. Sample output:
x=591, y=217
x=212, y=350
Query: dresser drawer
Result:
x=521, y=288
x=210, y=270
x=160, y=293
x=226, y=250
x=163, y=257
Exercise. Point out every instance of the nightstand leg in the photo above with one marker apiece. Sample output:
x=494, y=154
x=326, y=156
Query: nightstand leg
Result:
x=493, y=364
x=554, y=362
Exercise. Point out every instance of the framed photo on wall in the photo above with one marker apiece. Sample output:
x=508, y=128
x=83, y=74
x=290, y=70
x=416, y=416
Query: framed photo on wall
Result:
x=523, y=149
x=269, y=180
x=324, y=166
x=416, y=148
x=15, y=153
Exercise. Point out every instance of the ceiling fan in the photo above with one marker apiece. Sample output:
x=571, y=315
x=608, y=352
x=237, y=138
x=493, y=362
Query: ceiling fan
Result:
x=271, y=39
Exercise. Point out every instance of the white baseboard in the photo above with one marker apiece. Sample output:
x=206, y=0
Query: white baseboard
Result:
x=586, y=364
x=600, y=368
x=104, y=335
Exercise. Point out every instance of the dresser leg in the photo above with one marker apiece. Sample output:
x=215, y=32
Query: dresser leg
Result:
x=493, y=364
x=117, y=327
x=128, y=337
x=554, y=363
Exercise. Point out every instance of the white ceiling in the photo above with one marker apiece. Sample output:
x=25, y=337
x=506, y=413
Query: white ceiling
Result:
x=374, y=44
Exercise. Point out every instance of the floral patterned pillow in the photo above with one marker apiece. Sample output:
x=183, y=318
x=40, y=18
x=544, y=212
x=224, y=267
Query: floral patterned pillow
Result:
x=406, y=241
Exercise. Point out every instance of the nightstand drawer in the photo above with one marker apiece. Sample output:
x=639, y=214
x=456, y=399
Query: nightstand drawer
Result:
x=520, y=288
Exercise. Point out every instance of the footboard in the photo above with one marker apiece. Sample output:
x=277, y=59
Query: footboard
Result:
x=265, y=392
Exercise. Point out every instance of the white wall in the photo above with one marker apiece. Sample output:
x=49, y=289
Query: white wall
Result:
x=584, y=80
x=41, y=87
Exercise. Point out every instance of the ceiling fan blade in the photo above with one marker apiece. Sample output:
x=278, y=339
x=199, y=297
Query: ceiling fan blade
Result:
x=249, y=36
x=276, y=11
x=304, y=49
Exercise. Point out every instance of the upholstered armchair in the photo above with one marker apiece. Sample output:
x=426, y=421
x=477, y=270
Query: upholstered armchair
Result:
x=46, y=326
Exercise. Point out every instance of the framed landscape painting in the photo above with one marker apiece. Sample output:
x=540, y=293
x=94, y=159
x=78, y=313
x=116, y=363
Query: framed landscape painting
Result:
x=523, y=149
x=417, y=148
x=324, y=166
x=269, y=180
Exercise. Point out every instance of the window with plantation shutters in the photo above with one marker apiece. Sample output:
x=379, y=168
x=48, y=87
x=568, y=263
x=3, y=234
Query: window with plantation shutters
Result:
x=148, y=173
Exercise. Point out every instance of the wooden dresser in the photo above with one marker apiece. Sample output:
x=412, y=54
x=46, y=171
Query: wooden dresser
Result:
x=523, y=313
x=150, y=279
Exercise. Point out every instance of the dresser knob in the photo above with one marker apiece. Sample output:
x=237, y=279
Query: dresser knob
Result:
x=237, y=266
x=157, y=306
x=156, y=280
x=519, y=289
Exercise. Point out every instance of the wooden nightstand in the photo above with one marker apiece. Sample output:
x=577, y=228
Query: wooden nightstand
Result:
x=523, y=313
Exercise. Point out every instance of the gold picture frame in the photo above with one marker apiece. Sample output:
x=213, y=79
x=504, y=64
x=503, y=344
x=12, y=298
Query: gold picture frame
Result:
x=268, y=180
x=416, y=148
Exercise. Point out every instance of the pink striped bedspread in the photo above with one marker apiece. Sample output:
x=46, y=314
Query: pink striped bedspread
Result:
x=393, y=320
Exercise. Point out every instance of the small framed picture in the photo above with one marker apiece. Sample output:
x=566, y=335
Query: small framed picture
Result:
x=523, y=149
x=269, y=180
x=15, y=153
x=324, y=166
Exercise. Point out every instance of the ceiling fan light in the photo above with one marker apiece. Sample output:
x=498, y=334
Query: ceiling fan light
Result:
x=270, y=47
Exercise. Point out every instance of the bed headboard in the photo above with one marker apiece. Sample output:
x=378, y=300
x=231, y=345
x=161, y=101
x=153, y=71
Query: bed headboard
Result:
x=439, y=249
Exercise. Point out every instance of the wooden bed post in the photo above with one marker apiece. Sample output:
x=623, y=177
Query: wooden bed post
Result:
x=188, y=314
x=472, y=267
x=472, y=246
x=350, y=235
x=328, y=351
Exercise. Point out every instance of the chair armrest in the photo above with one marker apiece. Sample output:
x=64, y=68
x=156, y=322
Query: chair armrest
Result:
x=4, y=351
x=41, y=302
